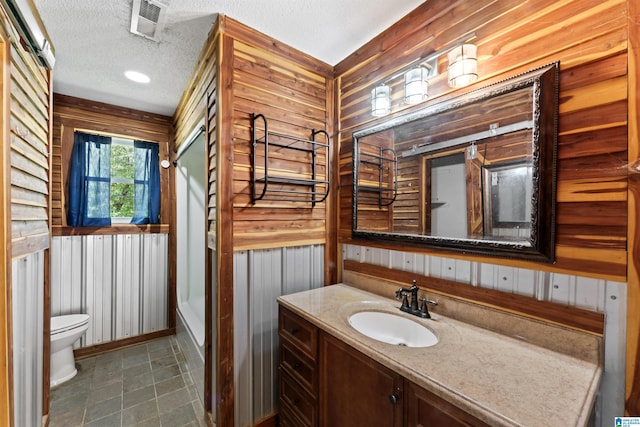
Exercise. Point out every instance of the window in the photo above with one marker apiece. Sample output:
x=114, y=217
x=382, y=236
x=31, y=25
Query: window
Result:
x=121, y=201
x=113, y=180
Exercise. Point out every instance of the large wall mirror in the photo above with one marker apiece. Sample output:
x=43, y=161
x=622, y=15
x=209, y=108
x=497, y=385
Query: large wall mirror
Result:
x=475, y=173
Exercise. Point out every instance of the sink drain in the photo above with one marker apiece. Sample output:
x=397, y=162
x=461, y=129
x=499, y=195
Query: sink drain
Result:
x=401, y=344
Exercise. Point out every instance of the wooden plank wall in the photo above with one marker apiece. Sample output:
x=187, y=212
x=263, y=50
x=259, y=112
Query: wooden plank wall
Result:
x=597, y=45
x=290, y=90
x=30, y=111
x=633, y=293
x=589, y=38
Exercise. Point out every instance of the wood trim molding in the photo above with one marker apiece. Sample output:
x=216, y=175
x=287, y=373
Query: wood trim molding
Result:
x=6, y=350
x=29, y=245
x=332, y=209
x=84, y=352
x=572, y=317
x=632, y=395
x=46, y=327
x=114, y=229
x=224, y=230
x=95, y=107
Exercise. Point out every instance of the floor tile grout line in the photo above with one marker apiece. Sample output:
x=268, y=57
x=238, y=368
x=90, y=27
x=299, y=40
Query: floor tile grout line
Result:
x=172, y=348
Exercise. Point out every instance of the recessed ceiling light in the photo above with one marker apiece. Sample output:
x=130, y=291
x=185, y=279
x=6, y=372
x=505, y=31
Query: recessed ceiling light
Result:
x=137, y=77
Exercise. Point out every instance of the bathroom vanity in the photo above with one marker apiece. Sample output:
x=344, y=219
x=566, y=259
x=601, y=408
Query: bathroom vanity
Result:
x=333, y=375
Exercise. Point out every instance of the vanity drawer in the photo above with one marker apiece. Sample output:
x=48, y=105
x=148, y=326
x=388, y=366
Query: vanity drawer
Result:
x=299, y=367
x=296, y=403
x=300, y=333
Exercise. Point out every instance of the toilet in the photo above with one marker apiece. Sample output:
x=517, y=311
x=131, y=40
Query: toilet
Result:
x=65, y=330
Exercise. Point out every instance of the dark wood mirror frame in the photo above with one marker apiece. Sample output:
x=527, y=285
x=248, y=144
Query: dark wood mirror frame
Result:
x=540, y=246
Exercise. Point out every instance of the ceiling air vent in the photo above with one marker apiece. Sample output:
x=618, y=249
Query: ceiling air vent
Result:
x=147, y=18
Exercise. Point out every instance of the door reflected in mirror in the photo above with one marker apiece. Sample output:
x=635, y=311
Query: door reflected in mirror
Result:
x=473, y=173
x=507, y=205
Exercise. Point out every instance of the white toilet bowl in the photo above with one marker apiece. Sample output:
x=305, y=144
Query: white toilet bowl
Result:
x=65, y=330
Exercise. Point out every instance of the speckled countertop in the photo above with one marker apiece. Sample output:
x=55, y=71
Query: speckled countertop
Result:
x=498, y=379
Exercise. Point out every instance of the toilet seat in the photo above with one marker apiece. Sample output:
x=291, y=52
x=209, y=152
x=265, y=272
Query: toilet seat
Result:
x=60, y=324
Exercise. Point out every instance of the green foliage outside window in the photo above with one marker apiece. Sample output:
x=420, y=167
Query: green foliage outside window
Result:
x=122, y=181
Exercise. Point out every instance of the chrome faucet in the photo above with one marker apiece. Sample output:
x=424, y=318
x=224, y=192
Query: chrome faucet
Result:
x=411, y=306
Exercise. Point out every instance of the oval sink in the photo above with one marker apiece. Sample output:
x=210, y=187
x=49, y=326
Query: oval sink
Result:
x=392, y=329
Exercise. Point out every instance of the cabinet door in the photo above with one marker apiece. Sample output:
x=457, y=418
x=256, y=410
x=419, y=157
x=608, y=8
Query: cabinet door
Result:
x=425, y=409
x=356, y=390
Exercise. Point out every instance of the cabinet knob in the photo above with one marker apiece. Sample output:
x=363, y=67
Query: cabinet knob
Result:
x=394, y=398
x=296, y=365
x=294, y=402
x=294, y=331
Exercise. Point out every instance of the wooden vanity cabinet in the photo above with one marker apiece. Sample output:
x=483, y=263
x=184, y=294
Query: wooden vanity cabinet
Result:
x=355, y=390
x=325, y=382
x=424, y=409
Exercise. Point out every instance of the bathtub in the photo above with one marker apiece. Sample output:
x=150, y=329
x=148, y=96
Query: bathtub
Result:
x=191, y=177
x=192, y=313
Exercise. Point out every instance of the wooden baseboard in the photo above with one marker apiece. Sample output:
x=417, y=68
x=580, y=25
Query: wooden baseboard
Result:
x=94, y=350
x=268, y=421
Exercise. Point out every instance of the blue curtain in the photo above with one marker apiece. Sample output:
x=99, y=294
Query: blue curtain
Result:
x=147, y=183
x=90, y=181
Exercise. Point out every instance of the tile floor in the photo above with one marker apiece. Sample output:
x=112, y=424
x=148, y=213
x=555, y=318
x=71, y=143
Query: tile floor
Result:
x=145, y=385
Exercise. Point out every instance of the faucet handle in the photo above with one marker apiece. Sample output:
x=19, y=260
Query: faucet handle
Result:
x=405, y=303
x=424, y=311
x=399, y=293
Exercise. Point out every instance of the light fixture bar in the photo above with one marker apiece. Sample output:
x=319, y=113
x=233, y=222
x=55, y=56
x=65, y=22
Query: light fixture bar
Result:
x=416, y=86
x=494, y=130
x=431, y=61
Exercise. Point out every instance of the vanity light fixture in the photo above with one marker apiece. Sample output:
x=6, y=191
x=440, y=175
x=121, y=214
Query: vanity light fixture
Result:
x=463, y=70
x=381, y=100
x=416, y=85
x=463, y=65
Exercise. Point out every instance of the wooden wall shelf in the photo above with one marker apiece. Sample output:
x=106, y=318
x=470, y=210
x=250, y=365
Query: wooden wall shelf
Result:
x=377, y=176
x=286, y=168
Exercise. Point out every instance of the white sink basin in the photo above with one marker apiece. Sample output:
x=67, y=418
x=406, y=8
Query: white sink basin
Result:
x=392, y=329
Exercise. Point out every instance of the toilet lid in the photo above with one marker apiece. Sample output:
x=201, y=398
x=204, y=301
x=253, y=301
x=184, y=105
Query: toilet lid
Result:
x=64, y=323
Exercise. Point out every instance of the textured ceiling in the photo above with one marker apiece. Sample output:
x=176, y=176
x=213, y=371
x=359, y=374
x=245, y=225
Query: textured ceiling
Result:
x=94, y=47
